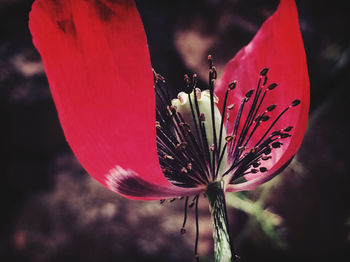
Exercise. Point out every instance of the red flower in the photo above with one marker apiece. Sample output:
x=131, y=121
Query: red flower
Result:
x=97, y=63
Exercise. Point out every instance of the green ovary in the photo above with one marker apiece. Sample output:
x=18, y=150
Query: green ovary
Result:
x=183, y=106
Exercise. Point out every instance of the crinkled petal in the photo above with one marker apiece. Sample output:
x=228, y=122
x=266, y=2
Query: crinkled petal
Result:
x=98, y=67
x=278, y=46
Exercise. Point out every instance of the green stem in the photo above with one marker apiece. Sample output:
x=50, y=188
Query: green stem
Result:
x=217, y=207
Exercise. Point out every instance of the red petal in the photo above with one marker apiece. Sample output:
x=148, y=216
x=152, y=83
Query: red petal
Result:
x=97, y=63
x=128, y=183
x=278, y=45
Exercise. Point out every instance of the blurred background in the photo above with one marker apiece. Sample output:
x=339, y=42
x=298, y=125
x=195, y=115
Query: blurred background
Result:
x=53, y=211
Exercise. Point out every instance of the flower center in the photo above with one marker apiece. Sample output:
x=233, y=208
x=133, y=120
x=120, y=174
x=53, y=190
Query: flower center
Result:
x=194, y=146
x=195, y=110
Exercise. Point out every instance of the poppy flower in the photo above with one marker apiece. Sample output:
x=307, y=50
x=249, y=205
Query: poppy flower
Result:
x=97, y=63
x=241, y=131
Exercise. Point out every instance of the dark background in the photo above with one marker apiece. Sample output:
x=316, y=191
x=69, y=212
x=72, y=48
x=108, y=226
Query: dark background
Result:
x=53, y=211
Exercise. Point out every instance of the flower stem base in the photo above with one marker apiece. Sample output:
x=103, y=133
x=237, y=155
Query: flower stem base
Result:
x=221, y=236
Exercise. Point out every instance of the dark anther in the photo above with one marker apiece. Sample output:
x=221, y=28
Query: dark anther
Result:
x=192, y=204
x=249, y=93
x=258, y=118
x=287, y=129
x=266, y=158
x=265, y=118
x=264, y=71
x=267, y=151
x=202, y=117
x=254, y=171
x=284, y=135
x=263, y=169
x=158, y=125
x=296, y=102
x=228, y=138
x=213, y=72
x=276, y=144
x=271, y=107
x=183, y=231
x=210, y=61
x=173, y=199
x=256, y=164
x=272, y=86
x=187, y=79
x=276, y=133
x=232, y=85
x=162, y=201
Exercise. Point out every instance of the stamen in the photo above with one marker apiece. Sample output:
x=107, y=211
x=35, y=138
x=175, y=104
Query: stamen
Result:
x=194, y=118
x=294, y=103
x=287, y=129
x=256, y=164
x=222, y=124
x=220, y=159
x=197, y=231
x=187, y=80
x=276, y=144
x=284, y=135
x=236, y=125
x=183, y=230
x=249, y=93
x=232, y=85
x=264, y=71
x=266, y=158
x=212, y=77
x=186, y=155
x=183, y=126
x=271, y=108
x=200, y=134
x=263, y=169
x=272, y=86
x=252, y=113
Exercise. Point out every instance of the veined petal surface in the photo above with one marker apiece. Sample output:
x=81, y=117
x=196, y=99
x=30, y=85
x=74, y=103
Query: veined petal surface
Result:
x=97, y=63
x=278, y=46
